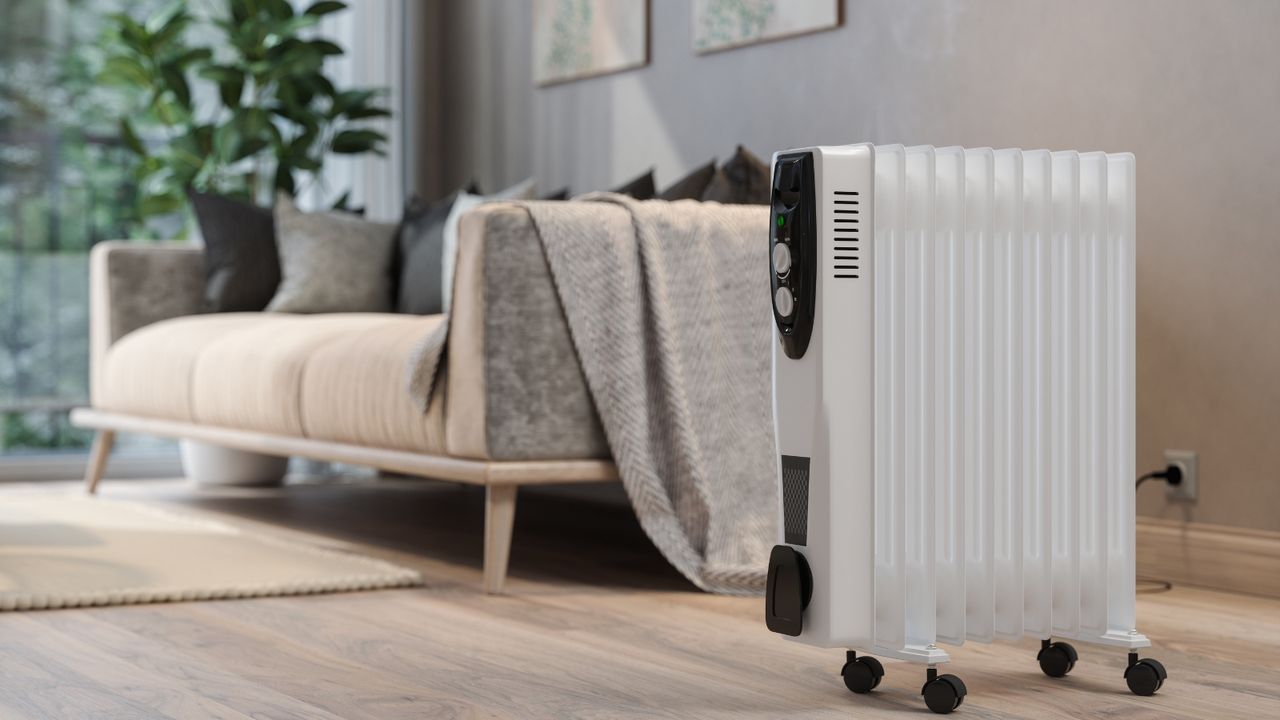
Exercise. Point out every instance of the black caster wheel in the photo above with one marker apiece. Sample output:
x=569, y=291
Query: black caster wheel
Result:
x=862, y=675
x=944, y=693
x=1057, y=658
x=1145, y=677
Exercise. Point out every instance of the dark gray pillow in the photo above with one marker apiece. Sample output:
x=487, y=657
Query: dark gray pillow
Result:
x=691, y=186
x=640, y=188
x=744, y=180
x=242, y=265
x=421, y=244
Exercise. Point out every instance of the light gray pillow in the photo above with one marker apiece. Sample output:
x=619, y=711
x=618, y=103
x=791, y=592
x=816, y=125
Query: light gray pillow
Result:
x=331, y=261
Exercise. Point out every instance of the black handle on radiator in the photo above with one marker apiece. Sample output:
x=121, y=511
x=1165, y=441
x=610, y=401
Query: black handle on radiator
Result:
x=788, y=590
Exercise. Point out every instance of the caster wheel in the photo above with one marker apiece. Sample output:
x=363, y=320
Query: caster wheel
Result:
x=862, y=675
x=944, y=693
x=1057, y=659
x=1145, y=677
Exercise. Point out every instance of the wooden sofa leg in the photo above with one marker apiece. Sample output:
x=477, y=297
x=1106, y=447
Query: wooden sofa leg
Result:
x=499, y=518
x=102, y=442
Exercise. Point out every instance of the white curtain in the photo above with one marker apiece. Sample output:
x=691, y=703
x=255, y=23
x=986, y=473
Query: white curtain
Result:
x=372, y=33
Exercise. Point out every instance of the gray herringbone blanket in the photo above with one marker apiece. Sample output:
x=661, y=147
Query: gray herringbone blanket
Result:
x=668, y=310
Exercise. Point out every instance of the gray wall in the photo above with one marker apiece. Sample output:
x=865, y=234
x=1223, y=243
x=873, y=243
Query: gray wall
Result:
x=1193, y=88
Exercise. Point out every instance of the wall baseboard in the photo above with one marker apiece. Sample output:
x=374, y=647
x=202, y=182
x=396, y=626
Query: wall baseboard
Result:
x=1211, y=556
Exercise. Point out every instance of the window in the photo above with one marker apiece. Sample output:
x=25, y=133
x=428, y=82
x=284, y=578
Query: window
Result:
x=64, y=185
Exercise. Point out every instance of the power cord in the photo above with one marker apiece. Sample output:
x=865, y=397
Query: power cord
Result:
x=1172, y=475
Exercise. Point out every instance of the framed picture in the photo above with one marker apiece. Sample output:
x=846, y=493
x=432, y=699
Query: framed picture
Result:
x=726, y=24
x=575, y=39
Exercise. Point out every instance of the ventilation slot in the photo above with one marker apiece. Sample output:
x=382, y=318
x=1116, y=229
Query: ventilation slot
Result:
x=844, y=224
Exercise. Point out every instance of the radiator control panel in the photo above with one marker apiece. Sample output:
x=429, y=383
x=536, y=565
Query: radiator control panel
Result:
x=793, y=256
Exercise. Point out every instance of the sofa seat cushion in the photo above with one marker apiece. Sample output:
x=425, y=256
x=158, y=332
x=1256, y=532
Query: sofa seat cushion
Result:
x=336, y=377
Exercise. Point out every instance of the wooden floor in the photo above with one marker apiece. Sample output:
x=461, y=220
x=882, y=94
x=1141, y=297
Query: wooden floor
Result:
x=596, y=626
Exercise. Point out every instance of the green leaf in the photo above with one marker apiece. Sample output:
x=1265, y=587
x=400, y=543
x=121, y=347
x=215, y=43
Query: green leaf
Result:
x=355, y=142
x=325, y=47
x=290, y=27
x=132, y=34
x=226, y=141
x=203, y=137
x=256, y=122
x=165, y=110
x=306, y=163
x=189, y=57
x=324, y=7
x=250, y=147
x=173, y=15
x=343, y=202
x=363, y=113
x=125, y=70
x=186, y=156
x=300, y=146
x=163, y=204
x=230, y=83
x=176, y=81
x=280, y=9
x=168, y=26
x=348, y=100
x=284, y=178
x=130, y=138
x=230, y=91
x=301, y=59
x=317, y=84
x=239, y=12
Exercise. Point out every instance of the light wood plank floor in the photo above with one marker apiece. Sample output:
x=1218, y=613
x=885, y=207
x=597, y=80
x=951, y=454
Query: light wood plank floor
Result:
x=596, y=626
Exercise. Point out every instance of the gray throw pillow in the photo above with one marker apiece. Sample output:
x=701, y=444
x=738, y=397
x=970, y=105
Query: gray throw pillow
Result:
x=331, y=261
x=640, y=188
x=691, y=186
x=744, y=180
x=242, y=265
x=421, y=241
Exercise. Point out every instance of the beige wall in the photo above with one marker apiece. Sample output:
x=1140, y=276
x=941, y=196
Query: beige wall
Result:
x=1193, y=88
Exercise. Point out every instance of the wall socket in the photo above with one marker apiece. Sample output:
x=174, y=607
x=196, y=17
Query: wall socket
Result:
x=1189, y=488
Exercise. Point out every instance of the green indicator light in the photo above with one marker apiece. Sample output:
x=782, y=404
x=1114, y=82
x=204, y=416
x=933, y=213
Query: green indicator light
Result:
x=781, y=221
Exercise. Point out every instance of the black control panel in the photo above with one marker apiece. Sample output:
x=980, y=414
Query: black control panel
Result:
x=793, y=251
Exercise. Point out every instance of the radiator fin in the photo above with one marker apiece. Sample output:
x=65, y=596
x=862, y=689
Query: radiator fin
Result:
x=1004, y=395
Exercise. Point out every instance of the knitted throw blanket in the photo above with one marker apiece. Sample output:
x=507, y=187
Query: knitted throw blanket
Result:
x=670, y=316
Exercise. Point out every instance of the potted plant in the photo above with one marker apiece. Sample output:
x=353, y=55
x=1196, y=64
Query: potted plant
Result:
x=249, y=113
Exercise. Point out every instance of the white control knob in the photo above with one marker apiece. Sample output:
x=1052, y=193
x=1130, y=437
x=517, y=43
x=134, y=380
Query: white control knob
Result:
x=784, y=302
x=781, y=259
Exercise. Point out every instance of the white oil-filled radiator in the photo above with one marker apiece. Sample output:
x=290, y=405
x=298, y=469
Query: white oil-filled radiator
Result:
x=954, y=405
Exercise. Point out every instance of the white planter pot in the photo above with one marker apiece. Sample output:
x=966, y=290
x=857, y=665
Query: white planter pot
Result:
x=213, y=465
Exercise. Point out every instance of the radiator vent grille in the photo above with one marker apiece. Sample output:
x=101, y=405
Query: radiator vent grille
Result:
x=795, y=499
x=846, y=221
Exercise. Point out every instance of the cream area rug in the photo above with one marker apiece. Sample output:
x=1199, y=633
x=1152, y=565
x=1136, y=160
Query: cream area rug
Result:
x=59, y=551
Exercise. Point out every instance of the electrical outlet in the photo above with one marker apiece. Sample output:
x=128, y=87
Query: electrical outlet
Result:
x=1187, y=490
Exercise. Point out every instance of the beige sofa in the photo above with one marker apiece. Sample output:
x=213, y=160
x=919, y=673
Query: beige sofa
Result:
x=511, y=406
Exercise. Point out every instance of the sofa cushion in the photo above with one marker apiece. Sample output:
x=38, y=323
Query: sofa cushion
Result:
x=338, y=377
x=148, y=371
x=379, y=412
